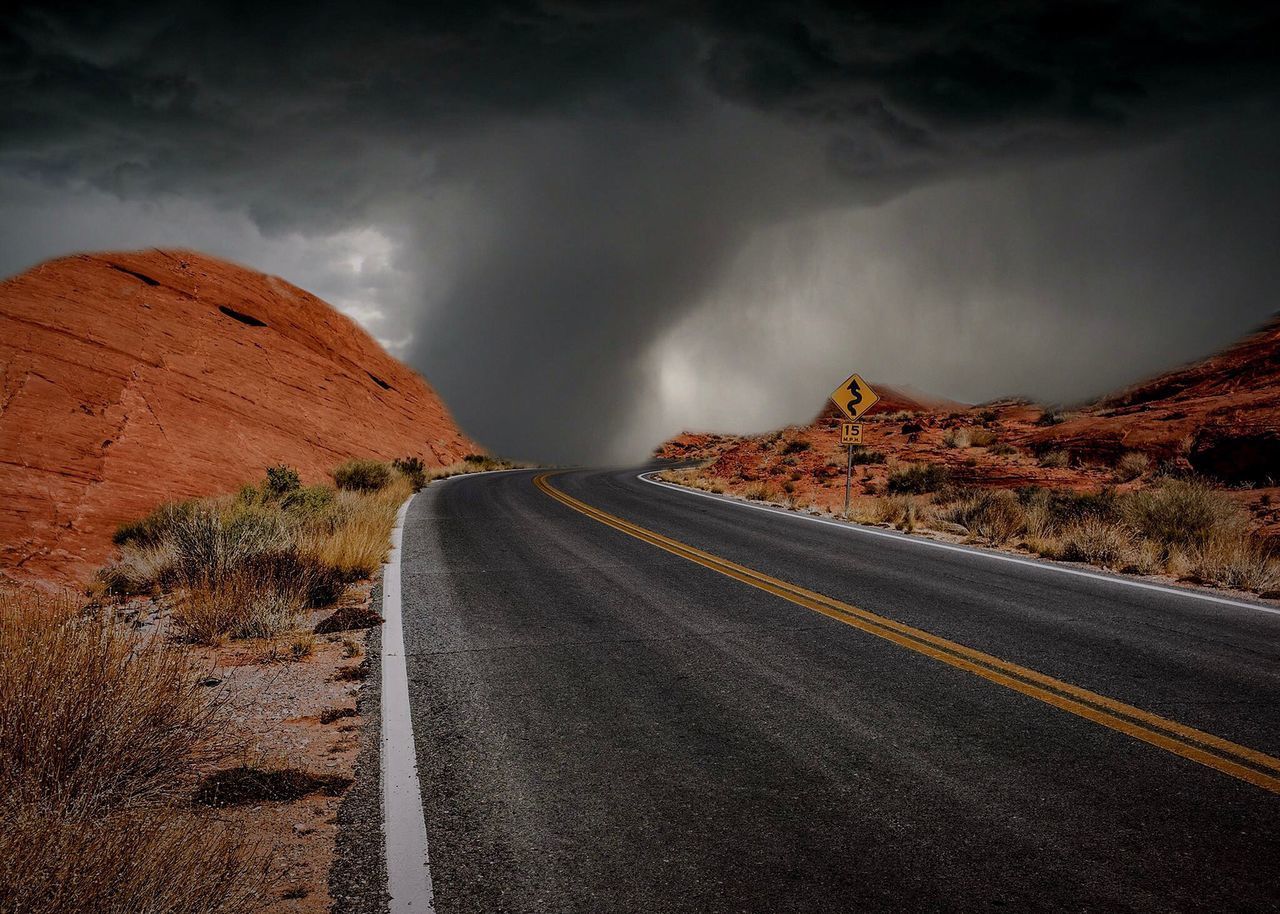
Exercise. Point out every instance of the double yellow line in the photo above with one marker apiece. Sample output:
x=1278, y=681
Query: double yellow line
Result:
x=1222, y=755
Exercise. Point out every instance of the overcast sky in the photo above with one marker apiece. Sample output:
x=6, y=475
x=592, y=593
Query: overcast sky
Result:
x=591, y=225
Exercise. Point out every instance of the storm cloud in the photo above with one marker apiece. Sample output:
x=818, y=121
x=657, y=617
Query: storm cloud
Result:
x=592, y=224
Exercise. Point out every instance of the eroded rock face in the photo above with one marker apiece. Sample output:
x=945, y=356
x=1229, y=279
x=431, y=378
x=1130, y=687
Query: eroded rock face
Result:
x=131, y=379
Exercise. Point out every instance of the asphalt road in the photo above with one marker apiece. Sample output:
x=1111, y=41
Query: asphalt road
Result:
x=605, y=726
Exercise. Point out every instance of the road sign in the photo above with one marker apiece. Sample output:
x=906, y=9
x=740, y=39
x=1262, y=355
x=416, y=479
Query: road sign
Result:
x=854, y=397
x=850, y=432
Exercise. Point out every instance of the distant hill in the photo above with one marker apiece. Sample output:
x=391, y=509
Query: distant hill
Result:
x=129, y=379
x=1222, y=414
x=1219, y=417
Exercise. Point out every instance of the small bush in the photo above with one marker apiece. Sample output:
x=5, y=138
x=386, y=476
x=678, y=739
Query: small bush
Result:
x=1055, y=459
x=475, y=458
x=281, y=480
x=994, y=516
x=917, y=479
x=102, y=735
x=309, y=504
x=1049, y=417
x=981, y=437
x=862, y=456
x=1183, y=513
x=901, y=511
x=796, y=446
x=759, y=491
x=413, y=469
x=1132, y=465
x=151, y=529
x=1242, y=563
x=1001, y=449
x=955, y=437
x=1098, y=542
x=362, y=475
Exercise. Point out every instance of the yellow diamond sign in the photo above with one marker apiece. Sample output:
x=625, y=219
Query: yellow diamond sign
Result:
x=854, y=397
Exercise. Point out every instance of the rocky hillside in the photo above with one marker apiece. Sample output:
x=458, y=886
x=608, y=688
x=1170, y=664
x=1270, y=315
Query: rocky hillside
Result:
x=1219, y=417
x=129, y=379
x=1222, y=415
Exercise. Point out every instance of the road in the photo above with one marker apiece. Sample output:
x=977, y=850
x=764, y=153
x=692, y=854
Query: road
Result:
x=618, y=721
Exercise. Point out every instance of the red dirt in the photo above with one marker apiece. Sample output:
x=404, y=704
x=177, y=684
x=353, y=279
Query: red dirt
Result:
x=1220, y=416
x=131, y=379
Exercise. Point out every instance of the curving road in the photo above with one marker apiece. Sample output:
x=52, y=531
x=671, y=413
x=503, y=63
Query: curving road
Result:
x=628, y=698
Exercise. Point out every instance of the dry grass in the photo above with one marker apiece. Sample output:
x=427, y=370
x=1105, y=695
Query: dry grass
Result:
x=472, y=463
x=247, y=566
x=917, y=479
x=161, y=861
x=103, y=732
x=1132, y=465
x=1236, y=562
x=759, y=491
x=94, y=713
x=992, y=516
x=1183, y=513
x=1055, y=459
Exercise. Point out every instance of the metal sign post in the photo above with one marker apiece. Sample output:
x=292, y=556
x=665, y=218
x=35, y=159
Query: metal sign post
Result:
x=850, y=434
x=848, y=480
x=853, y=398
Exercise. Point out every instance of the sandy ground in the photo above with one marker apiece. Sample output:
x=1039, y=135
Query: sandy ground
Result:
x=296, y=714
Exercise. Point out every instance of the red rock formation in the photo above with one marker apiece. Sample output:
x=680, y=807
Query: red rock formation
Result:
x=1222, y=413
x=130, y=379
x=1220, y=416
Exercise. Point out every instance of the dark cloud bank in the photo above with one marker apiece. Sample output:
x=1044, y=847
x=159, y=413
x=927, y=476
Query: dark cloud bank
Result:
x=590, y=224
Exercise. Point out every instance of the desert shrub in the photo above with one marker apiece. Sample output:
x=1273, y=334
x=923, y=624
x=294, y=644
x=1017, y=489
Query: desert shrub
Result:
x=1055, y=459
x=139, y=569
x=902, y=511
x=759, y=491
x=1049, y=417
x=988, y=415
x=94, y=713
x=103, y=733
x=359, y=546
x=955, y=437
x=1098, y=542
x=1001, y=449
x=362, y=475
x=247, y=566
x=475, y=458
x=981, y=437
x=1182, y=513
x=309, y=504
x=917, y=479
x=1239, y=562
x=151, y=529
x=1132, y=465
x=1064, y=506
x=862, y=456
x=994, y=516
x=132, y=861
x=796, y=446
x=281, y=480
x=413, y=469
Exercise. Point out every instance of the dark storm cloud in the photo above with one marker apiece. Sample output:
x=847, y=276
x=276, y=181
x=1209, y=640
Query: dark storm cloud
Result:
x=578, y=178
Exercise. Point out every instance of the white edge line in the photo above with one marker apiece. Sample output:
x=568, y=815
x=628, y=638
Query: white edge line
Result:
x=403, y=820
x=950, y=547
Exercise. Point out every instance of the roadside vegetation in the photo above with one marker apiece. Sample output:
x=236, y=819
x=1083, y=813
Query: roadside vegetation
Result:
x=1161, y=523
x=103, y=736
x=249, y=565
x=112, y=734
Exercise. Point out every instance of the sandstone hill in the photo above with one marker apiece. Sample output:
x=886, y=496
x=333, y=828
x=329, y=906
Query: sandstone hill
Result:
x=130, y=379
x=1219, y=417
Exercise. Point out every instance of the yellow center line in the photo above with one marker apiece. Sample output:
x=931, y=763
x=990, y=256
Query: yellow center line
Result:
x=1213, y=751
